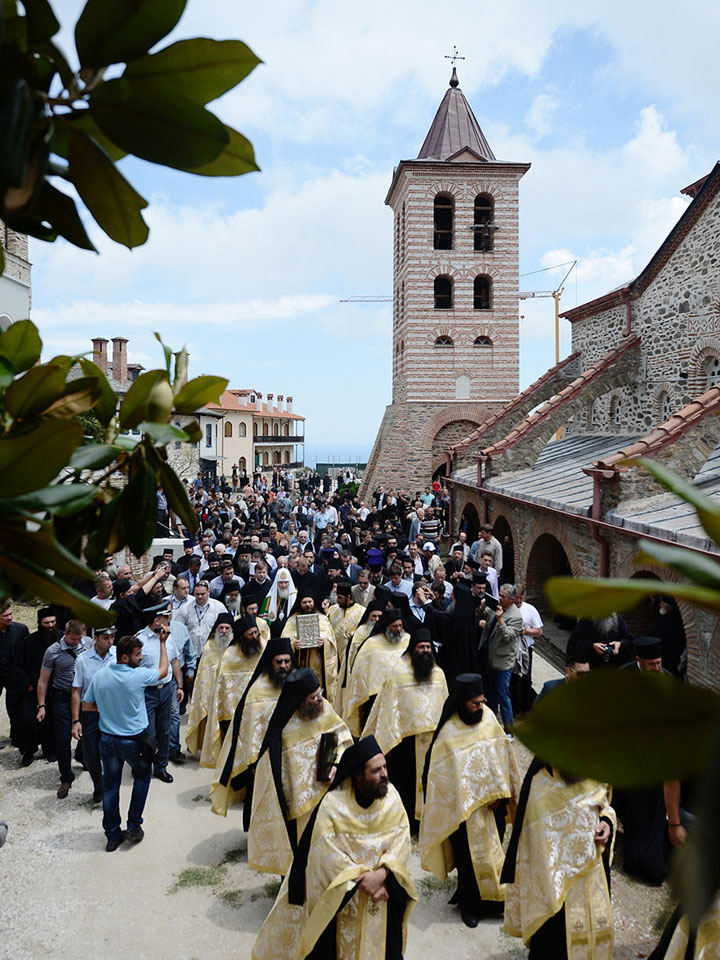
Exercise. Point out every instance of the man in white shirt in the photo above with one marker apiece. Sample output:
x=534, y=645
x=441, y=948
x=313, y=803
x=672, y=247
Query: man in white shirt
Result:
x=103, y=591
x=486, y=541
x=491, y=574
x=199, y=616
x=523, y=692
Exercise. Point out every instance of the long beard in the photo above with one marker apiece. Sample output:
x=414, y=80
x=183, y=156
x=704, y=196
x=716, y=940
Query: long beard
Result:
x=470, y=717
x=311, y=711
x=422, y=665
x=279, y=676
x=368, y=792
x=607, y=625
x=393, y=638
x=233, y=607
x=250, y=647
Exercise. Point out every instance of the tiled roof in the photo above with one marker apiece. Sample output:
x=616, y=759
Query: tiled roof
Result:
x=505, y=411
x=668, y=432
x=454, y=129
x=527, y=424
x=231, y=401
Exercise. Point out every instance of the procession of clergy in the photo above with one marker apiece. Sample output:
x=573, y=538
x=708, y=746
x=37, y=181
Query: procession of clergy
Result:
x=337, y=732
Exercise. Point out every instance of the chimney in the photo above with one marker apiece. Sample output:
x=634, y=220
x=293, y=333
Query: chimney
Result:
x=270, y=401
x=280, y=401
x=288, y=406
x=100, y=353
x=119, y=359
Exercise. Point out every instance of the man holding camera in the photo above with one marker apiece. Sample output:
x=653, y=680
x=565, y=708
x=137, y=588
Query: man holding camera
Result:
x=118, y=693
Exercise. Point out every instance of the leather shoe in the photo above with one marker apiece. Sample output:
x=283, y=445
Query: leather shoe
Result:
x=27, y=759
x=97, y=795
x=469, y=919
x=62, y=791
x=178, y=757
x=164, y=776
x=134, y=835
x=115, y=841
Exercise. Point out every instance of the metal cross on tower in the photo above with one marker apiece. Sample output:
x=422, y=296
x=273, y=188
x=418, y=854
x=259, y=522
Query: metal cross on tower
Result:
x=455, y=55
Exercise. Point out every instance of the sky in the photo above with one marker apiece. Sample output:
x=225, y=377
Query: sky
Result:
x=612, y=103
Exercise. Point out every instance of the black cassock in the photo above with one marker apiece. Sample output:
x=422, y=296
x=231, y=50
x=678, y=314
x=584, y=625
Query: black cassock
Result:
x=461, y=637
x=21, y=699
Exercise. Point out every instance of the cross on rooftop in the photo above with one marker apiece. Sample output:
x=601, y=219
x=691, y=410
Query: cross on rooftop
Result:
x=455, y=55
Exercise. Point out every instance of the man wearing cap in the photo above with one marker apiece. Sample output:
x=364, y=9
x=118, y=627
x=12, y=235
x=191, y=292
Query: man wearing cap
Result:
x=205, y=678
x=344, y=617
x=234, y=671
x=304, y=740
x=231, y=599
x=349, y=892
x=651, y=816
x=235, y=770
x=323, y=659
x=556, y=869
x=184, y=561
x=404, y=716
x=470, y=775
x=372, y=661
x=158, y=697
x=85, y=725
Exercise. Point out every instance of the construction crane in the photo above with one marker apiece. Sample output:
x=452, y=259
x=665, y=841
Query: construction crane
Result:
x=555, y=294
x=379, y=299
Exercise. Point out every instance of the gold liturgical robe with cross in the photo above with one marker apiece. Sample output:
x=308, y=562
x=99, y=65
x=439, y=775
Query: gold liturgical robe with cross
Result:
x=347, y=840
x=233, y=675
x=471, y=766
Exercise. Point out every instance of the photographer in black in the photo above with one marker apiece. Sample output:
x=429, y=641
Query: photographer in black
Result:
x=602, y=643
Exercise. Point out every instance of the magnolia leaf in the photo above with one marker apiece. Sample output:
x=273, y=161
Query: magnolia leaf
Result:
x=157, y=124
x=42, y=548
x=61, y=213
x=134, y=406
x=197, y=392
x=166, y=351
x=82, y=123
x=708, y=511
x=697, y=567
x=128, y=443
x=181, y=367
x=21, y=345
x=177, y=497
x=201, y=68
x=163, y=432
x=94, y=456
x=17, y=112
x=7, y=374
x=33, y=459
x=236, y=158
x=80, y=395
x=113, y=203
x=29, y=395
x=193, y=431
x=37, y=582
x=41, y=21
x=112, y=31
x=625, y=727
x=139, y=506
x=599, y=598
x=61, y=498
x=105, y=407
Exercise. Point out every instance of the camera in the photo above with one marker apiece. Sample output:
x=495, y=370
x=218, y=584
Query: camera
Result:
x=607, y=653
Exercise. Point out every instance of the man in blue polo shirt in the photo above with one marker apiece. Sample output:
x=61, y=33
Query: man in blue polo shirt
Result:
x=118, y=691
x=99, y=655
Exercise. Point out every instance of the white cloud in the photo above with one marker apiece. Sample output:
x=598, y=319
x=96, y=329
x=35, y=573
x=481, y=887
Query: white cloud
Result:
x=541, y=114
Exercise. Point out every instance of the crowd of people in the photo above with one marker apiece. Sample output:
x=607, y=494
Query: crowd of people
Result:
x=351, y=676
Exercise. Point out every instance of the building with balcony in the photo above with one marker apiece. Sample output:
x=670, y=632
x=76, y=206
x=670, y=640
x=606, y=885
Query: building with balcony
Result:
x=259, y=432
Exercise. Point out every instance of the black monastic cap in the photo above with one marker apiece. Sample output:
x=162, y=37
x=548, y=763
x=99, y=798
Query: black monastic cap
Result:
x=648, y=648
x=343, y=588
x=355, y=758
x=242, y=624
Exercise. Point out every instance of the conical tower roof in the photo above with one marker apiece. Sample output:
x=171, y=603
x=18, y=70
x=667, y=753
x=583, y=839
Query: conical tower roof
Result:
x=454, y=128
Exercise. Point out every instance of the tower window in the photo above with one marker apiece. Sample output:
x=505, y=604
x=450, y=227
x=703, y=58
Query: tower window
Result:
x=443, y=293
x=482, y=293
x=444, y=341
x=483, y=222
x=482, y=342
x=443, y=222
x=712, y=371
x=666, y=407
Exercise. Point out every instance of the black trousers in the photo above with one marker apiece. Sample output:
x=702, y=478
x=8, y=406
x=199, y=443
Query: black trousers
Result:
x=62, y=728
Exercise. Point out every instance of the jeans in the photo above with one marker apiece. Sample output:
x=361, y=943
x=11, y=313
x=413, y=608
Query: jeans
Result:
x=62, y=728
x=91, y=746
x=159, y=702
x=500, y=693
x=115, y=751
x=174, y=720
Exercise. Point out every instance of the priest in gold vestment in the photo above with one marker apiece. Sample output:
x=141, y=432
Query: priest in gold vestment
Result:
x=291, y=777
x=323, y=660
x=556, y=869
x=678, y=942
x=205, y=677
x=349, y=894
x=344, y=617
x=372, y=663
x=236, y=667
x=235, y=771
x=470, y=779
x=404, y=717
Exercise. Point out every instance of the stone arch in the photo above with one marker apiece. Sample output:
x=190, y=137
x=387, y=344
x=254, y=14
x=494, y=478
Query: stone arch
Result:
x=444, y=186
x=501, y=531
x=662, y=393
x=448, y=435
x=547, y=554
x=443, y=270
x=705, y=349
x=490, y=188
x=469, y=521
x=449, y=413
x=484, y=331
x=444, y=331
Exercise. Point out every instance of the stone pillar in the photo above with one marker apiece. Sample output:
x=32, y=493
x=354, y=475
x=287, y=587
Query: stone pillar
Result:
x=100, y=353
x=119, y=359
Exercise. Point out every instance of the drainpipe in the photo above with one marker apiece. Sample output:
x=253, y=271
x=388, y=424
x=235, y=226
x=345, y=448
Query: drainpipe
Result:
x=625, y=295
x=596, y=514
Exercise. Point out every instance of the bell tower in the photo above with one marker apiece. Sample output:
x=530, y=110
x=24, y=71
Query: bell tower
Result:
x=455, y=295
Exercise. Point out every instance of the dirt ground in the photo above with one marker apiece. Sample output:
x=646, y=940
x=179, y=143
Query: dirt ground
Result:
x=186, y=891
